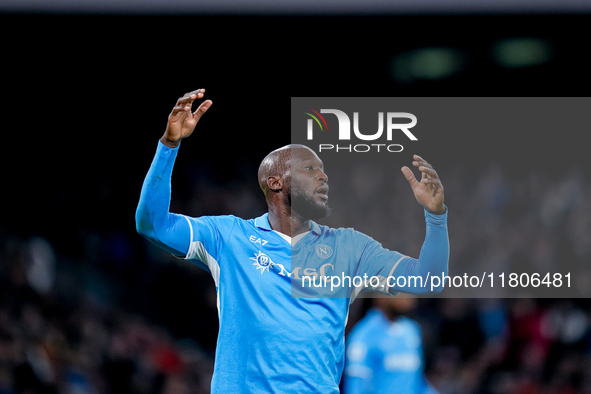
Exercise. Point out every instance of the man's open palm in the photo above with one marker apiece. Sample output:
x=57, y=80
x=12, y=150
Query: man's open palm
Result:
x=429, y=191
x=181, y=121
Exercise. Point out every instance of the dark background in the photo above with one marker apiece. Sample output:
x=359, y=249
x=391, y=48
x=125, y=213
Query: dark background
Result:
x=84, y=101
x=85, y=98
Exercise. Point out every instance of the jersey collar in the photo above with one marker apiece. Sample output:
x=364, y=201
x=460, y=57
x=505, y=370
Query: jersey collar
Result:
x=263, y=223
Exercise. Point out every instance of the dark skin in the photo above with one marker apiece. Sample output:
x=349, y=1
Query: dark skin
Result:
x=393, y=307
x=181, y=121
x=303, y=168
x=307, y=171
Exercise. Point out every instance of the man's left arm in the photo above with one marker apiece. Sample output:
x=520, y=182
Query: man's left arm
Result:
x=398, y=273
x=434, y=256
x=433, y=260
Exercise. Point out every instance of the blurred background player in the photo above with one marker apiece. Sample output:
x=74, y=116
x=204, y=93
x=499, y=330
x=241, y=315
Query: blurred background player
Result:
x=385, y=351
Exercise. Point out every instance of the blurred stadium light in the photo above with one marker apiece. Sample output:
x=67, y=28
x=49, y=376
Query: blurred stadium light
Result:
x=297, y=7
x=521, y=52
x=436, y=63
x=427, y=64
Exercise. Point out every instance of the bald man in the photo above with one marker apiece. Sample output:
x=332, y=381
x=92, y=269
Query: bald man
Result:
x=270, y=341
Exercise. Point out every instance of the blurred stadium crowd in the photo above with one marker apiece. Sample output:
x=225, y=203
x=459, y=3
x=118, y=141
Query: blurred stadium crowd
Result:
x=126, y=317
x=89, y=307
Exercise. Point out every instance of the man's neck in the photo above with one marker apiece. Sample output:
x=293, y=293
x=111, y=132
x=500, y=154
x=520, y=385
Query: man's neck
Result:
x=287, y=224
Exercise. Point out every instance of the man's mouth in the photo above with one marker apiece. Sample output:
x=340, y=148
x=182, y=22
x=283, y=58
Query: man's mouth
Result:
x=322, y=192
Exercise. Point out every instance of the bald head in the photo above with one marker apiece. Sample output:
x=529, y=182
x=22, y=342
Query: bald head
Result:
x=294, y=183
x=277, y=164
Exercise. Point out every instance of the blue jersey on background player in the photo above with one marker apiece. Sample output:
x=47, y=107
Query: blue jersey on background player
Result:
x=385, y=352
x=270, y=342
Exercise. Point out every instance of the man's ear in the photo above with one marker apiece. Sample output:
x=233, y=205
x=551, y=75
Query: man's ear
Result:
x=275, y=183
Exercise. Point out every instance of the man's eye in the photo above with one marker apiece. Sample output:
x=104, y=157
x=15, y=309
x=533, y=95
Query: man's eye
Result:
x=309, y=168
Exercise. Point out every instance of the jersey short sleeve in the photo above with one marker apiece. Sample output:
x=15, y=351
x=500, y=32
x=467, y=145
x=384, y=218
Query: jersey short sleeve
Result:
x=377, y=261
x=207, y=239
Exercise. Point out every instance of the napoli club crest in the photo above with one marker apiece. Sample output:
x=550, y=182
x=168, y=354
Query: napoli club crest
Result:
x=323, y=251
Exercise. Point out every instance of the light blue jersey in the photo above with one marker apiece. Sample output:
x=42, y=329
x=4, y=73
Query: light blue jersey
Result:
x=385, y=357
x=268, y=341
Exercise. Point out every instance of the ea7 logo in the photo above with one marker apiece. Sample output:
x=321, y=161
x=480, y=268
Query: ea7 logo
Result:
x=345, y=124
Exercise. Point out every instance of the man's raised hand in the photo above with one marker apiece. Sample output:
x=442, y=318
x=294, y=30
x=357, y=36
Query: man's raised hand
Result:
x=181, y=121
x=429, y=191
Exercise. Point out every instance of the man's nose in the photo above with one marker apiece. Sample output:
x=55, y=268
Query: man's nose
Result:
x=322, y=177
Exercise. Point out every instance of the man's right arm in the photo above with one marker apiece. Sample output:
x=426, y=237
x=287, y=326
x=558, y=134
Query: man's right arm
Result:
x=170, y=231
x=152, y=218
